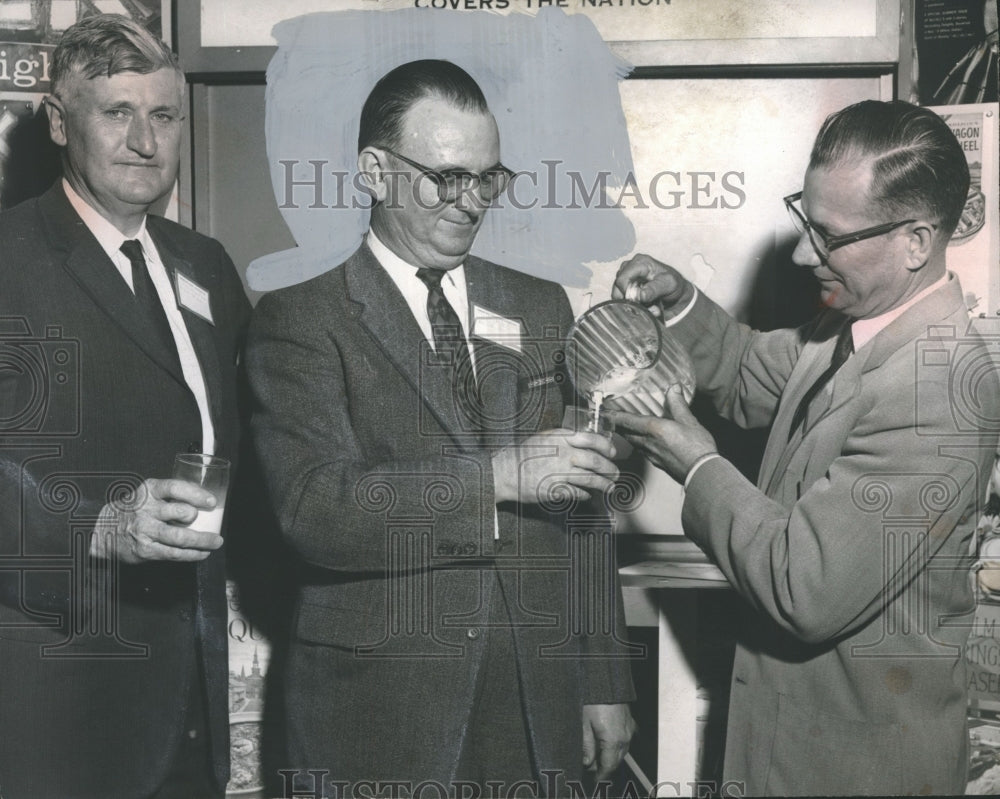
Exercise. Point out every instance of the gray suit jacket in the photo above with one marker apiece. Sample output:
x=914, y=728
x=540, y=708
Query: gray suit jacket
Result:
x=853, y=549
x=379, y=486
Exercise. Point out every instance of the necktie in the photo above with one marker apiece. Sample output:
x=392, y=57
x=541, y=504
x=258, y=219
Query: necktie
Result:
x=450, y=346
x=148, y=300
x=841, y=352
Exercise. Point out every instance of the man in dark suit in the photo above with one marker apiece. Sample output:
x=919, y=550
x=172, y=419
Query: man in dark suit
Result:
x=459, y=617
x=121, y=330
x=853, y=550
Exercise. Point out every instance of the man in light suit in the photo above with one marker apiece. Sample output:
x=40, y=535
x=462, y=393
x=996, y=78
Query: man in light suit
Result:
x=407, y=408
x=853, y=550
x=121, y=330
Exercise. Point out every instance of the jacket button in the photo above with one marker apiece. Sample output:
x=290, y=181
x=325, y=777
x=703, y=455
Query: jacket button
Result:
x=472, y=633
x=185, y=615
x=194, y=448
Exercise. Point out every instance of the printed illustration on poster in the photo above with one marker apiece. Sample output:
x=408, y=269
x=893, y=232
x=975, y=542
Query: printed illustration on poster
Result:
x=974, y=250
x=249, y=654
x=956, y=51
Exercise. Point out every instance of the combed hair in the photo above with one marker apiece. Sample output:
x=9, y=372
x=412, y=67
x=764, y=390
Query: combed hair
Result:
x=918, y=167
x=107, y=44
x=397, y=91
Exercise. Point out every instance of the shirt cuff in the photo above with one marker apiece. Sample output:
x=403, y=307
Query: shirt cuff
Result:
x=673, y=320
x=697, y=465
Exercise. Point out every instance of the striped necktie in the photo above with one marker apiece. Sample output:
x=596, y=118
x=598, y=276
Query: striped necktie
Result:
x=451, y=347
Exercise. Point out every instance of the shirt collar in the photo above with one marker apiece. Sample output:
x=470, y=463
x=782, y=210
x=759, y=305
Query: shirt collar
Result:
x=108, y=236
x=864, y=330
x=402, y=271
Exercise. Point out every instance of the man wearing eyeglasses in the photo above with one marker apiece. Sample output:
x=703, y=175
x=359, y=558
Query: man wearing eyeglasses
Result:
x=458, y=620
x=853, y=550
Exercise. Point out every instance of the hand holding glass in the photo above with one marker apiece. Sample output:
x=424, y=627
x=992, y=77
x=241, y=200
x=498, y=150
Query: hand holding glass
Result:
x=212, y=474
x=587, y=420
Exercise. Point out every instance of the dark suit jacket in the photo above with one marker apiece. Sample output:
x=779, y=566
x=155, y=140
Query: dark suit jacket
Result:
x=96, y=662
x=388, y=495
x=854, y=549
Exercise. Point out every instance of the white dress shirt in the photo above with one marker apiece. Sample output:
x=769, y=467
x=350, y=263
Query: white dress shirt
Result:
x=864, y=330
x=111, y=239
x=415, y=291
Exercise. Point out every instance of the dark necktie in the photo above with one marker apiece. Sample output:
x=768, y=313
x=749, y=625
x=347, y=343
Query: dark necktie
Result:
x=450, y=347
x=841, y=352
x=149, y=301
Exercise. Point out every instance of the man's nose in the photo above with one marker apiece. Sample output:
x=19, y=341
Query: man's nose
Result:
x=141, y=138
x=470, y=200
x=804, y=253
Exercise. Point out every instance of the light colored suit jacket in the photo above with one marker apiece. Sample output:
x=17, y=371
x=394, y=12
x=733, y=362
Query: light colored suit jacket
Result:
x=854, y=548
x=388, y=497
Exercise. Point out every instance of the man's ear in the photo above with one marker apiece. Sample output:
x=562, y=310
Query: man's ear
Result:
x=920, y=238
x=57, y=119
x=371, y=167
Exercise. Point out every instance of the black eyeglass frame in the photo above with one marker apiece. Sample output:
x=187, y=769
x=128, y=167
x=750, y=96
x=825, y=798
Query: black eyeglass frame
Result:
x=831, y=243
x=460, y=176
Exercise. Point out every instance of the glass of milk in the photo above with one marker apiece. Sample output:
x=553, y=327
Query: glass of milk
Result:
x=212, y=474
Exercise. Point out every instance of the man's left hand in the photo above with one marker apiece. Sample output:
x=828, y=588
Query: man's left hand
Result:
x=673, y=444
x=607, y=730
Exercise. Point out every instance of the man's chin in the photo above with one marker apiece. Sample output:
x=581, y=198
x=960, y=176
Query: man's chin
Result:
x=142, y=197
x=457, y=249
x=830, y=295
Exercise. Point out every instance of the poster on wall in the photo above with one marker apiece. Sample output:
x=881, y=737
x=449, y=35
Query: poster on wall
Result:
x=654, y=32
x=249, y=654
x=956, y=51
x=29, y=30
x=974, y=249
x=982, y=655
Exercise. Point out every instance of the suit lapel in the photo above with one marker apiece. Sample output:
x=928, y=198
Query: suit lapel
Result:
x=499, y=368
x=200, y=331
x=815, y=357
x=911, y=325
x=385, y=314
x=90, y=267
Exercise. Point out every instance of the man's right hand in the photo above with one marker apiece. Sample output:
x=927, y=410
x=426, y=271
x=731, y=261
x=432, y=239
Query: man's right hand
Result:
x=539, y=469
x=656, y=285
x=150, y=527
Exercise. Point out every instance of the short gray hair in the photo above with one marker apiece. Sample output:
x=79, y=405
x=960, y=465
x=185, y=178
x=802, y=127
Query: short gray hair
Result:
x=106, y=44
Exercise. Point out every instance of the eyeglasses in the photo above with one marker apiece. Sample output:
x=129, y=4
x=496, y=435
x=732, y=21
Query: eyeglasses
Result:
x=454, y=182
x=824, y=244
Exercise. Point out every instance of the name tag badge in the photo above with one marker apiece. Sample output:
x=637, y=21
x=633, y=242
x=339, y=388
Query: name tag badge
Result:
x=193, y=297
x=496, y=328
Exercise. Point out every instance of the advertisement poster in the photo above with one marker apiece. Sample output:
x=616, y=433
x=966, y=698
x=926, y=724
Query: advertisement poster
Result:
x=957, y=53
x=249, y=653
x=982, y=656
x=975, y=242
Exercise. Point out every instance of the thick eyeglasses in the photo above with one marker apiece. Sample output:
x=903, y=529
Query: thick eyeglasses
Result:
x=452, y=183
x=824, y=244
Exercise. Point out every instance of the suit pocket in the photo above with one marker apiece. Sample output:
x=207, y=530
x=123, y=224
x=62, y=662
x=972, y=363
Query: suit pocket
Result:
x=346, y=615
x=817, y=753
